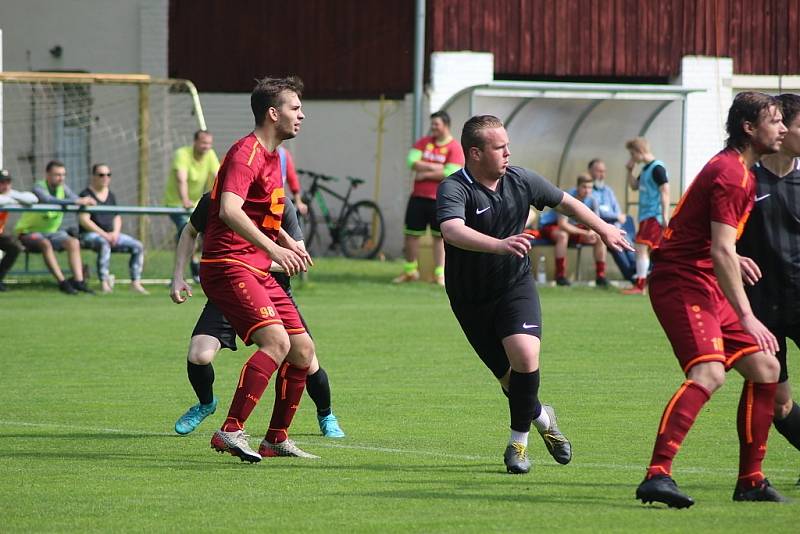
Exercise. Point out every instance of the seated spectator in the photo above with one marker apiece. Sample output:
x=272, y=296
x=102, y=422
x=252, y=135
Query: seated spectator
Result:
x=40, y=231
x=563, y=232
x=102, y=233
x=9, y=244
x=608, y=209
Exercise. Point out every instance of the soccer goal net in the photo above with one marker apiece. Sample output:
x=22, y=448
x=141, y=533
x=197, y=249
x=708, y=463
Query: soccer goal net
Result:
x=133, y=123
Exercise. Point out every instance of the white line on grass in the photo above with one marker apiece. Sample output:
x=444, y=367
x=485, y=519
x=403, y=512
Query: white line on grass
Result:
x=387, y=450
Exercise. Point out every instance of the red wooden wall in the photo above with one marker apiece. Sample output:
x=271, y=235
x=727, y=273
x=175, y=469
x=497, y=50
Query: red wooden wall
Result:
x=362, y=48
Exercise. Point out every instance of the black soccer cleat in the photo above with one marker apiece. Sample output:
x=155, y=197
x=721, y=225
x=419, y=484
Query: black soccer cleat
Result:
x=764, y=492
x=561, y=281
x=661, y=488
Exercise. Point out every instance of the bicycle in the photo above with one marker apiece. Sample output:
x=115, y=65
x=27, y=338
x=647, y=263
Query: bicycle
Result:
x=358, y=230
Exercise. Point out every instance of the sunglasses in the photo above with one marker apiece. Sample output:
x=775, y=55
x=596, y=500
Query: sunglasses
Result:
x=103, y=174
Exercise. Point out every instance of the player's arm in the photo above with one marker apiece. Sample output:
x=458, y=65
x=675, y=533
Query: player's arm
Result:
x=86, y=222
x=612, y=236
x=727, y=269
x=179, y=290
x=633, y=181
x=663, y=191
x=458, y=234
x=182, y=177
x=232, y=214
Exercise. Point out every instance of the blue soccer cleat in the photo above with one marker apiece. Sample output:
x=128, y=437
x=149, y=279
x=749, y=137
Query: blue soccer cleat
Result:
x=329, y=426
x=194, y=416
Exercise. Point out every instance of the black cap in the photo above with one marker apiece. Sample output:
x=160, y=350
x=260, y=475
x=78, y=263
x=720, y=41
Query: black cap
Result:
x=5, y=176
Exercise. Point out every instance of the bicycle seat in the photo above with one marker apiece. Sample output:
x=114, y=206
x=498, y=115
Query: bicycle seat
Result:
x=355, y=181
x=316, y=175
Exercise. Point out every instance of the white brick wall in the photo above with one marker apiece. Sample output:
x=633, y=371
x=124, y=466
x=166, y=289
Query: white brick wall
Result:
x=706, y=111
x=153, y=30
x=453, y=71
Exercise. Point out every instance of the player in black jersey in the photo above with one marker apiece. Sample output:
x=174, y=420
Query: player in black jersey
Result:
x=213, y=332
x=772, y=240
x=482, y=211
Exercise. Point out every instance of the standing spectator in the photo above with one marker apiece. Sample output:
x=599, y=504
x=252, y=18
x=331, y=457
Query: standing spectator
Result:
x=609, y=210
x=41, y=231
x=289, y=173
x=482, y=210
x=102, y=232
x=10, y=245
x=653, y=186
x=193, y=170
x=432, y=158
x=771, y=238
x=697, y=294
x=563, y=232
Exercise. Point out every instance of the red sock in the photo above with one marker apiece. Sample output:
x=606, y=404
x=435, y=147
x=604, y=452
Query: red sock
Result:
x=752, y=422
x=600, y=269
x=640, y=283
x=561, y=267
x=289, y=388
x=678, y=418
x=253, y=381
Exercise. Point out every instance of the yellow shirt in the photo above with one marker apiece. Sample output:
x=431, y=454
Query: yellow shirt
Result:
x=200, y=175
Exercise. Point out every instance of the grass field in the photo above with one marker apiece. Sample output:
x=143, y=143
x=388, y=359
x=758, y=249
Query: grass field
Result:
x=91, y=387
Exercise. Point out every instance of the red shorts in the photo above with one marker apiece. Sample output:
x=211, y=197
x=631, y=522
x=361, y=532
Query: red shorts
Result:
x=650, y=232
x=698, y=320
x=547, y=231
x=249, y=300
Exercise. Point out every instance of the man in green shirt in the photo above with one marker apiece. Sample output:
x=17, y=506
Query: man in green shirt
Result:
x=192, y=173
x=41, y=231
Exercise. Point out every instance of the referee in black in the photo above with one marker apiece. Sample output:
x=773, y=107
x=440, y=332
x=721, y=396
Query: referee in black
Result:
x=771, y=239
x=482, y=211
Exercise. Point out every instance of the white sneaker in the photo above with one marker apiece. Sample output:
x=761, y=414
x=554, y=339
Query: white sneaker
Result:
x=284, y=448
x=236, y=444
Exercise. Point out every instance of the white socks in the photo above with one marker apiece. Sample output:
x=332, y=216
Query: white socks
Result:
x=518, y=437
x=542, y=422
x=642, y=266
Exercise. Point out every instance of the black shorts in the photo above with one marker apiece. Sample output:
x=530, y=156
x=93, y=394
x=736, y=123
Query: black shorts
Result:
x=783, y=331
x=421, y=213
x=516, y=311
x=213, y=323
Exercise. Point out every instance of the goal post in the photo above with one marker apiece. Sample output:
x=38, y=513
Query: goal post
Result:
x=132, y=122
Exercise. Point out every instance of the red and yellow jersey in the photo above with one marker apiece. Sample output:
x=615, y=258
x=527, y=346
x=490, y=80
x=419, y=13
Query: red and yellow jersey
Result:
x=723, y=192
x=253, y=174
x=450, y=155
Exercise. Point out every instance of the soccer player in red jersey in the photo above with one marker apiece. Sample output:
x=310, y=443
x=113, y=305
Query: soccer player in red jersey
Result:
x=243, y=237
x=697, y=294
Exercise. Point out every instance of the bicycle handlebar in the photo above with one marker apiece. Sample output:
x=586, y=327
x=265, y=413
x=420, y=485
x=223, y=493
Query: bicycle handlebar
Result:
x=355, y=182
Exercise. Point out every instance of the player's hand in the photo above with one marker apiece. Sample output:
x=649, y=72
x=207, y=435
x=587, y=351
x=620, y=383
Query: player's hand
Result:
x=614, y=238
x=302, y=207
x=750, y=271
x=630, y=164
x=290, y=261
x=519, y=245
x=179, y=290
x=765, y=339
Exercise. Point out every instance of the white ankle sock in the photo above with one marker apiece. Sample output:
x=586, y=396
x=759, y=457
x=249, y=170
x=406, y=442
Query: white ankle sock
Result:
x=542, y=422
x=519, y=437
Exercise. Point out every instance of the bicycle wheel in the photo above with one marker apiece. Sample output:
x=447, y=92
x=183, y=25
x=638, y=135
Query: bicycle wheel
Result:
x=308, y=224
x=362, y=231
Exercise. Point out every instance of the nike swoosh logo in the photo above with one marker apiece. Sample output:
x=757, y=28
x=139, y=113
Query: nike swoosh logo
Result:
x=479, y=211
x=762, y=197
x=527, y=326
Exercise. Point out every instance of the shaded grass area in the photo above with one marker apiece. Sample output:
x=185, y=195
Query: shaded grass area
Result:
x=91, y=387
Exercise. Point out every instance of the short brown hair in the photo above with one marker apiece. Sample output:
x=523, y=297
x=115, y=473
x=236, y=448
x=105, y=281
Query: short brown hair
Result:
x=746, y=107
x=471, y=134
x=790, y=106
x=639, y=144
x=268, y=93
x=584, y=179
x=54, y=163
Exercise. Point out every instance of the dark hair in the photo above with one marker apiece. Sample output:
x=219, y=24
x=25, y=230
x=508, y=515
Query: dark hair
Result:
x=471, y=133
x=442, y=115
x=592, y=162
x=746, y=107
x=790, y=106
x=97, y=166
x=199, y=132
x=268, y=93
x=54, y=163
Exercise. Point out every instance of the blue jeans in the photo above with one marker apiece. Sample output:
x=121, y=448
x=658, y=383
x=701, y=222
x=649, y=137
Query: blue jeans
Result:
x=125, y=243
x=625, y=259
